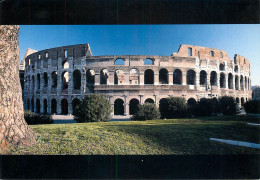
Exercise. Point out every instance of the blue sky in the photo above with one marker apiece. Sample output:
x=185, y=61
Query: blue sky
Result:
x=148, y=39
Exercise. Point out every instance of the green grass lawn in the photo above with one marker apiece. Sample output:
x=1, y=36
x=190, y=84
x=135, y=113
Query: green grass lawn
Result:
x=154, y=137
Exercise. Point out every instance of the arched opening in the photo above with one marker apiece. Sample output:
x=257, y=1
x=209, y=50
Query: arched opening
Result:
x=28, y=104
x=236, y=83
x=249, y=84
x=33, y=82
x=236, y=69
x=104, y=76
x=163, y=76
x=53, y=106
x=133, y=106
x=119, y=62
x=76, y=79
x=65, y=80
x=245, y=82
x=66, y=53
x=76, y=102
x=118, y=77
x=64, y=106
x=222, y=80
x=230, y=81
x=54, y=79
x=241, y=83
x=45, y=79
x=221, y=67
x=38, y=81
x=191, y=77
x=32, y=105
x=148, y=76
x=191, y=101
x=149, y=100
x=148, y=62
x=242, y=101
x=38, y=106
x=177, y=76
x=203, y=77
x=65, y=64
x=237, y=100
x=213, y=78
x=119, y=107
x=163, y=107
x=134, y=76
x=90, y=75
x=45, y=105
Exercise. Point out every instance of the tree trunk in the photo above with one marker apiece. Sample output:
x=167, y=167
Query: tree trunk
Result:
x=13, y=128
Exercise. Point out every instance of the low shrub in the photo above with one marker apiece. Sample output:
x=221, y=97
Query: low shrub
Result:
x=205, y=107
x=33, y=118
x=146, y=111
x=252, y=106
x=173, y=107
x=227, y=105
x=93, y=108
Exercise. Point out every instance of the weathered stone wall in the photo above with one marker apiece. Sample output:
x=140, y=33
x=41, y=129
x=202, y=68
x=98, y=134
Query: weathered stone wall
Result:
x=13, y=128
x=121, y=83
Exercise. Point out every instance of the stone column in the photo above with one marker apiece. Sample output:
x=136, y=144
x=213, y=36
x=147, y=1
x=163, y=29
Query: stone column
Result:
x=197, y=78
x=184, y=79
x=141, y=78
x=42, y=104
x=170, y=78
x=156, y=78
x=111, y=77
x=126, y=76
x=70, y=86
x=156, y=100
x=49, y=105
x=141, y=99
x=83, y=84
x=70, y=109
x=58, y=105
x=126, y=106
x=97, y=79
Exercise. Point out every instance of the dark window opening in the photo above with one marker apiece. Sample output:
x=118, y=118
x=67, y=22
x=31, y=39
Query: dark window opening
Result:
x=163, y=76
x=191, y=77
x=119, y=107
x=189, y=51
x=76, y=79
x=148, y=76
x=133, y=105
x=203, y=77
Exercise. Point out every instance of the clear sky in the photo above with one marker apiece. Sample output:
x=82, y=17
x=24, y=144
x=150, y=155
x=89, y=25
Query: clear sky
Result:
x=148, y=39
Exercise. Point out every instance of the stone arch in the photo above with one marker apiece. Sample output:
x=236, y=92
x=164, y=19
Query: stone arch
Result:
x=38, y=106
x=45, y=79
x=45, y=106
x=65, y=80
x=118, y=77
x=163, y=76
x=134, y=76
x=28, y=104
x=64, y=106
x=33, y=82
x=65, y=64
x=54, y=79
x=119, y=61
x=191, y=77
x=149, y=100
x=75, y=102
x=148, y=61
x=177, y=76
x=203, y=77
x=104, y=74
x=242, y=101
x=236, y=69
x=241, y=83
x=119, y=107
x=76, y=79
x=32, y=105
x=236, y=82
x=213, y=78
x=148, y=76
x=133, y=103
x=222, y=80
x=90, y=77
x=222, y=67
x=53, y=106
x=237, y=100
x=230, y=81
x=191, y=101
x=38, y=81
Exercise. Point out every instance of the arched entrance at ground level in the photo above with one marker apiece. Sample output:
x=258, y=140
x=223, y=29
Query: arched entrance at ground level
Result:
x=64, y=106
x=45, y=106
x=119, y=107
x=76, y=102
x=32, y=105
x=163, y=76
x=213, y=78
x=191, y=101
x=28, y=104
x=149, y=100
x=53, y=106
x=242, y=101
x=133, y=105
x=177, y=76
x=163, y=107
x=148, y=76
x=38, y=106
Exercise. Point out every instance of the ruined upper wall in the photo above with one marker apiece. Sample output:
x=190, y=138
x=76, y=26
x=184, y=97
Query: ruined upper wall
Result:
x=242, y=61
x=203, y=53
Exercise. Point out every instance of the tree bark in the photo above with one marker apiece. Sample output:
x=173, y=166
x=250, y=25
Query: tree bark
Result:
x=13, y=128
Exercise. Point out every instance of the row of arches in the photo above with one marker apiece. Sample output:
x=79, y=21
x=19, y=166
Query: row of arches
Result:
x=148, y=78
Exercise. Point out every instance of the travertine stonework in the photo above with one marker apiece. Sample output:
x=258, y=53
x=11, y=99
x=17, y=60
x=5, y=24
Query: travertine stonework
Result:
x=13, y=128
x=55, y=79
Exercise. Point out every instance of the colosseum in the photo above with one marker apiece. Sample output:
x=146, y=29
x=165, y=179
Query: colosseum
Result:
x=56, y=79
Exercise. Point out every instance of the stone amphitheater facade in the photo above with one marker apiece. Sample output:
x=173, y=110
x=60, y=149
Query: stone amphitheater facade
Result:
x=57, y=78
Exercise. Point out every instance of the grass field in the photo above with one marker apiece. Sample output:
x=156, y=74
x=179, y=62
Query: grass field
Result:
x=154, y=137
